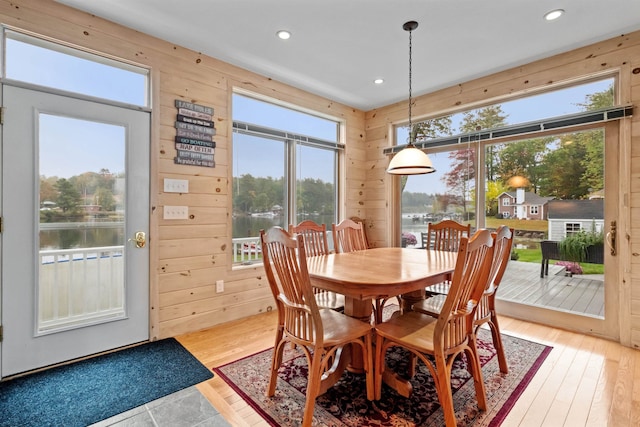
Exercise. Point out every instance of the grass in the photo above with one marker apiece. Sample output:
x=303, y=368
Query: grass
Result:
x=517, y=224
x=535, y=255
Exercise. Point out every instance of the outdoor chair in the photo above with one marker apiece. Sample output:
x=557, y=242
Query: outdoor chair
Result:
x=438, y=341
x=486, y=311
x=324, y=336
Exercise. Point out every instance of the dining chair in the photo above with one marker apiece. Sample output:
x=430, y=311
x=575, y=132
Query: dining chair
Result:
x=444, y=236
x=359, y=220
x=348, y=236
x=438, y=341
x=486, y=311
x=324, y=336
x=316, y=243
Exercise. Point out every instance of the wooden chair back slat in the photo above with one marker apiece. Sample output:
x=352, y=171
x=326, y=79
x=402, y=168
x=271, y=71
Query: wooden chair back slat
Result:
x=315, y=237
x=445, y=235
x=348, y=236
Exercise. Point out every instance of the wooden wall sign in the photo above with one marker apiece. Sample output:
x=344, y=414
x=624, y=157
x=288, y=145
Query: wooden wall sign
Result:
x=194, y=135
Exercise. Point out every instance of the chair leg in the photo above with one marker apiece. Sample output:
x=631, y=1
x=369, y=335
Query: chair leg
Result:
x=276, y=361
x=378, y=368
x=443, y=389
x=476, y=370
x=313, y=387
x=497, y=342
x=369, y=371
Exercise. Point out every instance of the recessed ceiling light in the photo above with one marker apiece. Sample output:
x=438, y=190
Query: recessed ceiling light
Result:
x=283, y=34
x=378, y=81
x=554, y=14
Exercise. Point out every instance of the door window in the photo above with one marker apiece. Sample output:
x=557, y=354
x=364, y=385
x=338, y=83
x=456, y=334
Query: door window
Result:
x=81, y=216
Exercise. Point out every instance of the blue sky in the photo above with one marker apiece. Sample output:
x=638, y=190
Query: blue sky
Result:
x=69, y=146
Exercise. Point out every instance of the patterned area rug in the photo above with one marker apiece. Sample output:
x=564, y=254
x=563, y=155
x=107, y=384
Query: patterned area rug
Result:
x=345, y=404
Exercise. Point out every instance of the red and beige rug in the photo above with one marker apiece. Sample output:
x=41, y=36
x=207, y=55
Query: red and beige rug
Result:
x=346, y=405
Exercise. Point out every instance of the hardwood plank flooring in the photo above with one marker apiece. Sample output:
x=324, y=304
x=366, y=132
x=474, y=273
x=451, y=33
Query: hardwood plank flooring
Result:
x=585, y=381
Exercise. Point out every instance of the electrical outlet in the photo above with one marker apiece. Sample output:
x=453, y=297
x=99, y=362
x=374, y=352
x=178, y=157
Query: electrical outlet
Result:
x=176, y=185
x=176, y=212
x=219, y=286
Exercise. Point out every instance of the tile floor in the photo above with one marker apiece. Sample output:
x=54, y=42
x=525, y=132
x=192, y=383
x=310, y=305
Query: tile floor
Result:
x=185, y=408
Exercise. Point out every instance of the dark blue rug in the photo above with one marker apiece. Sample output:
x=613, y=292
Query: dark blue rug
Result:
x=95, y=389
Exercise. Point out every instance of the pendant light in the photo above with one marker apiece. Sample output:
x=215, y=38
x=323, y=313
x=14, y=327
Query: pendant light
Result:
x=410, y=160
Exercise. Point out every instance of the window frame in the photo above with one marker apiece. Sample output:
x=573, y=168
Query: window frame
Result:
x=479, y=140
x=64, y=48
x=576, y=227
x=291, y=141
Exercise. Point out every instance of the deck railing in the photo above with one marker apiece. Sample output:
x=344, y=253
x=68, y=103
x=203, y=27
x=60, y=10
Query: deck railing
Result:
x=79, y=287
x=247, y=250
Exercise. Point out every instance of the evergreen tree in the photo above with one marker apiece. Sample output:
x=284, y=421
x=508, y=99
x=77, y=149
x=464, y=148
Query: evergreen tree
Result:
x=68, y=198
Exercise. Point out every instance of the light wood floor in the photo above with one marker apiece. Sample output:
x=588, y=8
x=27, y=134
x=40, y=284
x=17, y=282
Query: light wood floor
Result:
x=585, y=381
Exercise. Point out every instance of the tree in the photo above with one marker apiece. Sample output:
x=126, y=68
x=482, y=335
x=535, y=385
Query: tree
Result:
x=460, y=178
x=494, y=189
x=68, y=198
x=104, y=198
x=523, y=158
x=48, y=191
x=593, y=162
x=426, y=130
x=564, y=170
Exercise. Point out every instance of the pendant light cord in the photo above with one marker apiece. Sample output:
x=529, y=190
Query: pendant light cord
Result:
x=411, y=137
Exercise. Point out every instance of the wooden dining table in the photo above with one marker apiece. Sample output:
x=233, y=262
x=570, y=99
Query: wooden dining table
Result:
x=380, y=273
x=362, y=276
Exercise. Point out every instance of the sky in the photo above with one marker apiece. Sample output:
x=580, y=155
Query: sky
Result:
x=70, y=146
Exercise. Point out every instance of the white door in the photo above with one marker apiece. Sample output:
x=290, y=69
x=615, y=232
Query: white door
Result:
x=75, y=194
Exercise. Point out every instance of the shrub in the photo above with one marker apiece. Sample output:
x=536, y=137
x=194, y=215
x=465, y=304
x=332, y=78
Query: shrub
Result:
x=574, y=246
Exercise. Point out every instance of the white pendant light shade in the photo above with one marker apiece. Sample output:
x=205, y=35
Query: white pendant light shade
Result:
x=410, y=161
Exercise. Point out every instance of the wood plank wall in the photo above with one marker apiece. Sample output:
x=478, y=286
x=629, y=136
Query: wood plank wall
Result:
x=188, y=256
x=619, y=56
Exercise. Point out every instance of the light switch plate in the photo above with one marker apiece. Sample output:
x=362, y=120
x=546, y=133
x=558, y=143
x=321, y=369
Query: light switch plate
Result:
x=176, y=212
x=176, y=185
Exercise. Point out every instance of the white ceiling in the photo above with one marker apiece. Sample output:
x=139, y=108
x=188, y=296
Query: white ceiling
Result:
x=338, y=47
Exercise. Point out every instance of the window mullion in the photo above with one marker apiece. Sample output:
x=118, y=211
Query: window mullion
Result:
x=291, y=179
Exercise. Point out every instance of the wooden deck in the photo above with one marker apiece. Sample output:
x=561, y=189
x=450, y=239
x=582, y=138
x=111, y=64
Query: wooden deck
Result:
x=579, y=294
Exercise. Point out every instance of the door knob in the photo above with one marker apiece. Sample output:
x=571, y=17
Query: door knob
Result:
x=140, y=238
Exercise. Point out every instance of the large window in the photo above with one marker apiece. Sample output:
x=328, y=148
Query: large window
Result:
x=456, y=171
x=285, y=168
x=546, y=164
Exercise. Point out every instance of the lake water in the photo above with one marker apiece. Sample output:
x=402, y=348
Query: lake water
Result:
x=250, y=226
x=81, y=235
